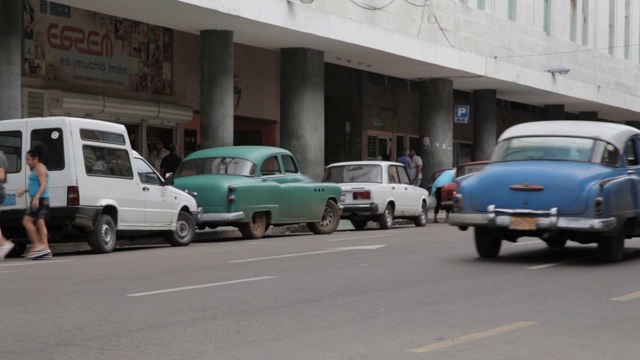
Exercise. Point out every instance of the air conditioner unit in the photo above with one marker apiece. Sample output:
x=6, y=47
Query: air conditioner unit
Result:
x=38, y=103
x=74, y=104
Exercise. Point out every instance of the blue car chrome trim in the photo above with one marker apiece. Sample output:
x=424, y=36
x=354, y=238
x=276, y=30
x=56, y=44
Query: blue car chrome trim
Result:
x=546, y=220
x=222, y=217
x=606, y=181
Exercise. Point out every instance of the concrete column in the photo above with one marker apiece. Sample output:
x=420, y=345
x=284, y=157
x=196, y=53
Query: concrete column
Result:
x=588, y=115
x=554, y=112
x=10, y=59
x=216, y=88
x=436, y=126
x=485, y=124
x=302, y=108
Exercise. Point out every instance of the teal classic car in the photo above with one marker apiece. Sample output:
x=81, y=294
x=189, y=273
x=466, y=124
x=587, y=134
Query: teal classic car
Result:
x=254, y=187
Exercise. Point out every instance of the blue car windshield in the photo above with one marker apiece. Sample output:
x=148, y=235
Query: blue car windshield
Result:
x=557, y=148
x=354, y=174
x=216, y=165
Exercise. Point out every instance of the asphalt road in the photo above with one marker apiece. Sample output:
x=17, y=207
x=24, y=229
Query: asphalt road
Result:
x=405, y=293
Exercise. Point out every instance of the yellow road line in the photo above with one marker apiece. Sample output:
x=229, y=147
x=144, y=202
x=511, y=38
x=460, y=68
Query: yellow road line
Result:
x=472, y=337
x=631, y=296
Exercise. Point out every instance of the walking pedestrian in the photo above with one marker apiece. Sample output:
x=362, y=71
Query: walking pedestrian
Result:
x=445, y=178
x=5, y=245
x=415, y=171
x=157, y=154
x=170, y=163
x=37, y=213
x=404, y=159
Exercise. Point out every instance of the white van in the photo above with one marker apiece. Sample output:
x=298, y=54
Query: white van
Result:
x=100, y=189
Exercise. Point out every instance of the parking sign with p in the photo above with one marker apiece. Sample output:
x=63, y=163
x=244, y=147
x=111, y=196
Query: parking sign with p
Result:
x=461, y=113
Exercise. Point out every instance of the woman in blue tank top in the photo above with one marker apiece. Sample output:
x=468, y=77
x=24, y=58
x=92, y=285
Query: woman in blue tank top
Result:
x=36, y=215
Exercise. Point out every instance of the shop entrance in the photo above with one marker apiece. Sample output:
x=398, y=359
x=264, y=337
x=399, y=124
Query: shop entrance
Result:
x=135, y=136
x=163, y=134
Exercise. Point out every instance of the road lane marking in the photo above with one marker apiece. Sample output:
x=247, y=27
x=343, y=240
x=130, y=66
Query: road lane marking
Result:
x=369, y=247
x=627, y=297
x=200, y=286
x=359, y=237
x=537, y=267
x=472, y=337
x=7, y=271
x=31, y=262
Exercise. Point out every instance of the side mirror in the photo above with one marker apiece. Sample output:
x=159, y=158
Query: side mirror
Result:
x=169, y=179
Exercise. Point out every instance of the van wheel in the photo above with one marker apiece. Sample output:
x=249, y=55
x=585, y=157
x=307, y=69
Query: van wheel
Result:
x=184, y=232
x=256, y=227
x=103, y=238
x=330, y=220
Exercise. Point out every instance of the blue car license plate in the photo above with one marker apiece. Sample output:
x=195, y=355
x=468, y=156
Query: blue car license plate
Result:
x=523, y=223
x=10, y=200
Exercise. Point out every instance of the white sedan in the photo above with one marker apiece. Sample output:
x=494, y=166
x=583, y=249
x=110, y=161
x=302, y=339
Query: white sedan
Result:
x=377, y=191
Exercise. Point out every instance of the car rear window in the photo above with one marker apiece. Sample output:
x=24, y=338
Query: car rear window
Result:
x=216, y=166
x=469, y=169
x=354, y=174
x=546, y=148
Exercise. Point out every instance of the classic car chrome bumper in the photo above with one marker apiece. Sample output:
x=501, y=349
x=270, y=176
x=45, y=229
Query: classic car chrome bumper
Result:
x=222, y=217
x=370, y=208
x=545, y=220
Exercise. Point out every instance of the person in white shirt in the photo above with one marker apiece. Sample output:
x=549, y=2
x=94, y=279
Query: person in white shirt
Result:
x=415, y=168
x=155, y=158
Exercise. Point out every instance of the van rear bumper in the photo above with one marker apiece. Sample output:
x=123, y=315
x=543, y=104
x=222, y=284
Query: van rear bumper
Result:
x=83, y=217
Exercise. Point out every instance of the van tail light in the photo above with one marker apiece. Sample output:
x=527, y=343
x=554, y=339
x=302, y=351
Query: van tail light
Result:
x=73, y=196
x=361, y=195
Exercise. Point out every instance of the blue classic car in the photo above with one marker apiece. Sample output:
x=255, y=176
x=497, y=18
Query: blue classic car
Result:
x=559, y=181
x=254, y=187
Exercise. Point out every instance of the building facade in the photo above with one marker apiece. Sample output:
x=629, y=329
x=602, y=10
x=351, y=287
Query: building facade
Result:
x=329, y=80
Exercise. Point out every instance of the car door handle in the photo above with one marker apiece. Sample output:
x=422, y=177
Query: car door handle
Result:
x=145, y=188
x=630, y=172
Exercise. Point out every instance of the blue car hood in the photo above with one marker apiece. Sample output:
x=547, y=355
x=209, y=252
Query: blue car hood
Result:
x=565, y=185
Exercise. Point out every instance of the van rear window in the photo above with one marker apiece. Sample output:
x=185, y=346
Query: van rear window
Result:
x=11, y=146
x=102, y=136
x=53, y=141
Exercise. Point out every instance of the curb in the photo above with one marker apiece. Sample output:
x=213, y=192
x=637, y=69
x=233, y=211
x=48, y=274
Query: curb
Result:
x=223, y=232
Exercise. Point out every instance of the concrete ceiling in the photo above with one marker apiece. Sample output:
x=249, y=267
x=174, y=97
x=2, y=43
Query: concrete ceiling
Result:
x=190, y=18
